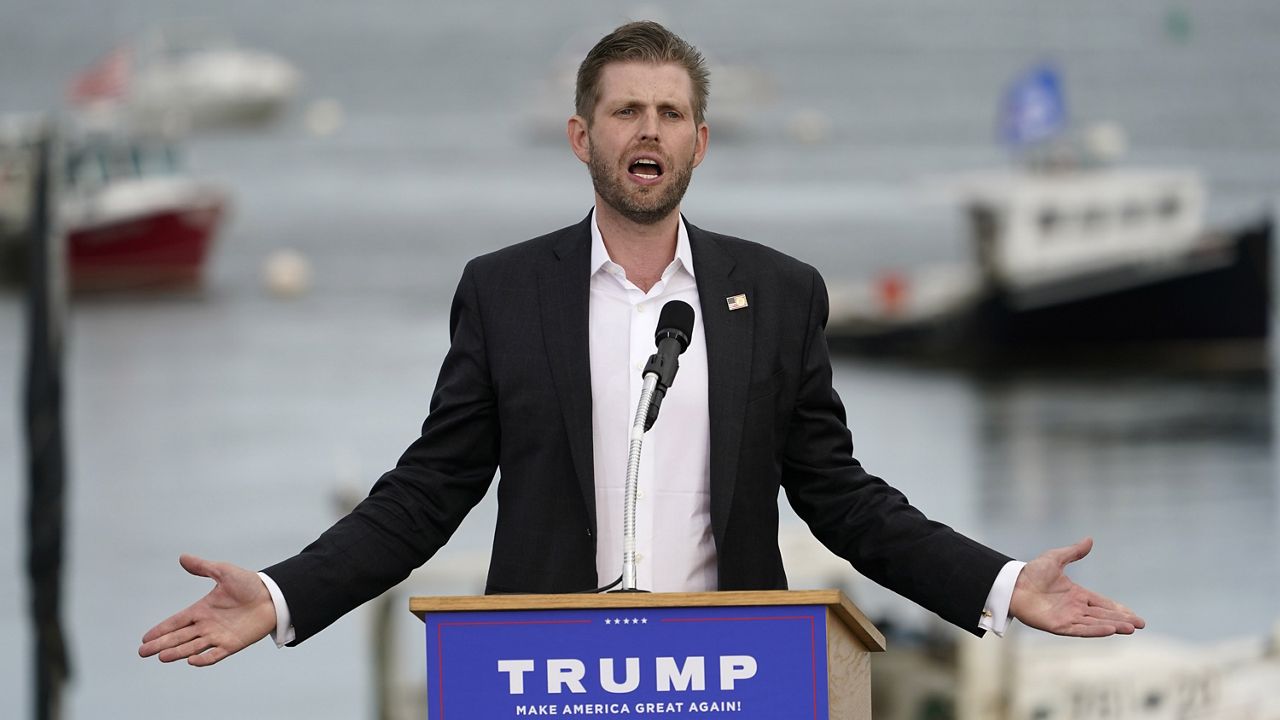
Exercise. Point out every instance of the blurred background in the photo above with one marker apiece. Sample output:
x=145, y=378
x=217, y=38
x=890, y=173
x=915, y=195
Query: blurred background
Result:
x=300, y=185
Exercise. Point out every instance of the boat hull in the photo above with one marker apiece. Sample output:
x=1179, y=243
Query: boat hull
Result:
x=164, y=249
x=1215, y=304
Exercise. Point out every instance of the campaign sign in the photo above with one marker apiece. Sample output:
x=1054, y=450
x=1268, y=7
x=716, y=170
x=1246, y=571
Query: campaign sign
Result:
x=744, y=663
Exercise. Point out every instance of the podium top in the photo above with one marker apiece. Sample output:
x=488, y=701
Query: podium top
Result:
x=840, y=606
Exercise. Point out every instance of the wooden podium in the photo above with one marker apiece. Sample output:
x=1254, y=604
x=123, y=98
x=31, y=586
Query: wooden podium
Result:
x=741, y=655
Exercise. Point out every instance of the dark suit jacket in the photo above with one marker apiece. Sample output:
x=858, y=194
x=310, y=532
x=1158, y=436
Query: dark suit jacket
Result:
x=514, y=393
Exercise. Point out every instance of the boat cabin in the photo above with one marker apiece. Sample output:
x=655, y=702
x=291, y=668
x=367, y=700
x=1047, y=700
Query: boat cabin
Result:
x=1029, y=229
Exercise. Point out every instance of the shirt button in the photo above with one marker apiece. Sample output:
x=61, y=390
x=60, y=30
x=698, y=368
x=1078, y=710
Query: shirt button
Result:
x=639, y=366
x=640, y=495
x=639, y=558
x=640, y=308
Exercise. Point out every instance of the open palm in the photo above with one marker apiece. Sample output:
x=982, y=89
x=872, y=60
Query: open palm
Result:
x=235, y=614
x=1046, y=599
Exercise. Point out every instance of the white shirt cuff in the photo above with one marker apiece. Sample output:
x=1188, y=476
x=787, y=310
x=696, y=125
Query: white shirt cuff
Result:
x=283, y=620
x=995, y=615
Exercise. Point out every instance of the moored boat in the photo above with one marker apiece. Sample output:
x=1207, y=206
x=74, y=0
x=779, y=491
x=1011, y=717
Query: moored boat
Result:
x=132, y=218
x=1069, y=265
x=185, y=78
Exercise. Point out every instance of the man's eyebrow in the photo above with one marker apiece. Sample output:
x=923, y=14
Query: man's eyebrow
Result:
x=661, y=104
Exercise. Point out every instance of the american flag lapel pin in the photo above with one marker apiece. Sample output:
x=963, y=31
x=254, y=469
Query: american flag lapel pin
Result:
x=737, y=302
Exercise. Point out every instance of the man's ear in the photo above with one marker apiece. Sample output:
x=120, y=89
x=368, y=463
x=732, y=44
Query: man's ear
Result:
x=579, y=138
x=700, y=144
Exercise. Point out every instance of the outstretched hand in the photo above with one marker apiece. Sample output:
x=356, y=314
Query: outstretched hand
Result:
x=1046, y=599
x=235, y=614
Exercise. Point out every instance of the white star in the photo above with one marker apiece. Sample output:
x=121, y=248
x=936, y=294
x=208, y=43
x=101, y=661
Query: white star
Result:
x=607, y=621
x=644, y=621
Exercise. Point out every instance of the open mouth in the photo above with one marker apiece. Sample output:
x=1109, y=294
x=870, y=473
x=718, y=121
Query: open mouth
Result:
x=646, y=169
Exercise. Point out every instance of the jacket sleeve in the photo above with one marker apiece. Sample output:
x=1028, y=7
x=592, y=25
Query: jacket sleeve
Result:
x=860, y=517
x=413, y=509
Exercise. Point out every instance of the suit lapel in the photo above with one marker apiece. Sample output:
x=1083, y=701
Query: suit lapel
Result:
x=565, y=291
x=729, y=349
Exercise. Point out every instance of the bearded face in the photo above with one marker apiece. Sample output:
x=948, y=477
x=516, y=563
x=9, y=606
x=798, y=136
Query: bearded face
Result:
x=642, y=185
x=642, y=141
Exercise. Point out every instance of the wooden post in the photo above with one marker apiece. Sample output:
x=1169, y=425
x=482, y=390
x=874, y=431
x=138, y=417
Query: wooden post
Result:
x=46, y=458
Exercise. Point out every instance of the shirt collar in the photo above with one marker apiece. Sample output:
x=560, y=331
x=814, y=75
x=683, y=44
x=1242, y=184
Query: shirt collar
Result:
x=600, y=256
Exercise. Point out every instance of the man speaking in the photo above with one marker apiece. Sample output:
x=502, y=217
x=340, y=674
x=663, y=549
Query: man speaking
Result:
x=547, y=341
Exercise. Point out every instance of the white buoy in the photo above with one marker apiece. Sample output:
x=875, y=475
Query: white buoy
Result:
x=287, y=273
x=809, y=126
x=1106, y=142
x=325, y=117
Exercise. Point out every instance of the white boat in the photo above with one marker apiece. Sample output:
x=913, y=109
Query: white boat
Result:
x=177, y=81
x=1069, y=265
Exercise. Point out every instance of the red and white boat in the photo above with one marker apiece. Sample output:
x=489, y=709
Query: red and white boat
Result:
x=132, y=220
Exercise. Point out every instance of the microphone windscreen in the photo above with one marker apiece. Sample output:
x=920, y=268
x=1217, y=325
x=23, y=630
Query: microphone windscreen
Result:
x=676, y=321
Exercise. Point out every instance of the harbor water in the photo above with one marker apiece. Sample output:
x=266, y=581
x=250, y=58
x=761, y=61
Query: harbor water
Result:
x=230, y=423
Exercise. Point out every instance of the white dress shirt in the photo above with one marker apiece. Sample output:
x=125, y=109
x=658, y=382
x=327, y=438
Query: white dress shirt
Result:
x=675, y=550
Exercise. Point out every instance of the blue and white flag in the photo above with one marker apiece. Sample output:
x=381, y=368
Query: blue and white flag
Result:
x=1033, y=108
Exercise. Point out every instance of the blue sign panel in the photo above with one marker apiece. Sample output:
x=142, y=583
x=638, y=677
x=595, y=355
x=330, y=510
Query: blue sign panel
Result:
x=745, y=663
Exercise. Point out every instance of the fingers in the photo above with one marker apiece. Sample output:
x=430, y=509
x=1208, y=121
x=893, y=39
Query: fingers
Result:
x=208, y=657
x=235, y=614
x=166, y=641
x=1110, y=609
x=1098, y=620
x=1114, y=616
x=1114, y=624
x=200, y=645
x=155, y=639
x=1092, y=630
x=1121, y=618
x=195, y=646
x=170, y=624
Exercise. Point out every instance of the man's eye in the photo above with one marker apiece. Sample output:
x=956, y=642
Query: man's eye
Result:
x=672, y=115
x=626, y=112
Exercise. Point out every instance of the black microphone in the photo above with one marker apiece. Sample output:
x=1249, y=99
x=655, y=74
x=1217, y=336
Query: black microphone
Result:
x=675, y=329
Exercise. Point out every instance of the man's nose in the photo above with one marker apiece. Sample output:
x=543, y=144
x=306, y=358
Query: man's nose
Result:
x=649, y=126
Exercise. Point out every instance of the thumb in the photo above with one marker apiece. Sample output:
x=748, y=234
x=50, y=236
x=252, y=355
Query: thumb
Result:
x=198, y=566
x=1072, y=553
